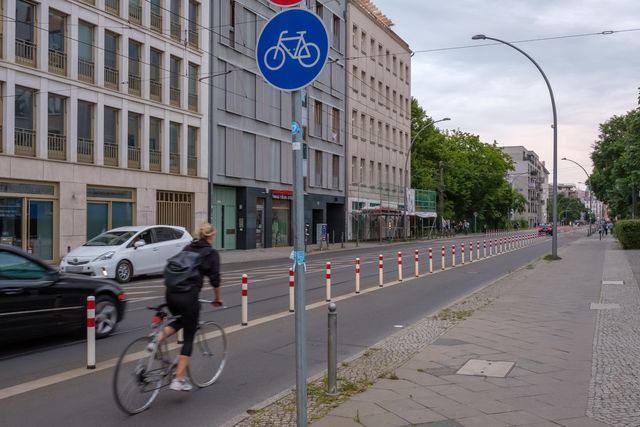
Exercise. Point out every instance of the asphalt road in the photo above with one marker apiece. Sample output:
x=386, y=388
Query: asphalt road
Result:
x=262, y=356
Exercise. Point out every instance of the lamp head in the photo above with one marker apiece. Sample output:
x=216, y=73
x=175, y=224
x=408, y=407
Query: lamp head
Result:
x=564, y=158
x=479, y=37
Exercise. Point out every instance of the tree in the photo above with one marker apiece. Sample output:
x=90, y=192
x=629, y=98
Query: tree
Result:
x=570, y=209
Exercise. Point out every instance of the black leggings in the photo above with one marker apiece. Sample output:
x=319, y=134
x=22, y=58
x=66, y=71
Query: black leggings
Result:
x=186, y=306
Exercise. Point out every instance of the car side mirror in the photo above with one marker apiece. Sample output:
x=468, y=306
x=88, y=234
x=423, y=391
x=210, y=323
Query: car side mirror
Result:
x=53, y=276
x=139, y=244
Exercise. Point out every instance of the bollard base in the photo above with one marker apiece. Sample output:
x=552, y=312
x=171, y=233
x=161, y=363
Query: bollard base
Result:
x=292, y=311
x=244, y=324
x=91, y=366
x=331, y=394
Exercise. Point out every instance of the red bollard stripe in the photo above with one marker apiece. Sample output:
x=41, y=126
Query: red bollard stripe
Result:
x=245, y=293
x=91, y=304
x=91, y=322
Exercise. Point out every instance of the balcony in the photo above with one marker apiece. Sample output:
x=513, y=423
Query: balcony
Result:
x=85, y=70
x=57, y=62
x=134, y=85
x=176, y=29
x=26, y=53
x=57, y=146
x=25, y=142
x=111, y=78
x=110, y=154
x=155, y=90
x=85, y=150
x=112, y=6
x=192, y=166
x=156, y=21
x=133, y=157
x=193, y=102
x=193, y=38
x=174, y=96
x=135, y=13
x=155, y=160
x=174, y=163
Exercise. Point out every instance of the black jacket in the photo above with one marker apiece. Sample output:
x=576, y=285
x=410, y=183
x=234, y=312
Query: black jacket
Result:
x=209, y=264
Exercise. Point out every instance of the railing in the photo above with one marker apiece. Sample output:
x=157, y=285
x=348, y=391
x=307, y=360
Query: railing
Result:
x=134, y=85
x=111, y=78
x=155, y=90
x=174, y=163
x=174, y=96
x=57, y=62
x=135, y=13
x=192, y=165
x=57, y=146
x=176, y=29
x=26, y=52
x=193, y=102
x=85, y=150
x=85, y=70
x=156, y=21
x=91, y=2
x=112, y=6
x=193, y=38
x=110, y=154
x=133, y=157
x=155, y=160
x=25, y=142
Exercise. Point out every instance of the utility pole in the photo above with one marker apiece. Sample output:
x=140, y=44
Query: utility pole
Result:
x=441, y=166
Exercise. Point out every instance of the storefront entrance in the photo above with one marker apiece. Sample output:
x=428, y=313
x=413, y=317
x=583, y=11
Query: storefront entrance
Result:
x=260, y=222
x=224, y=217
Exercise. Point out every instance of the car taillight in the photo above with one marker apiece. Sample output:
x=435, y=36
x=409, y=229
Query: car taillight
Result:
x=155, y=320
x=122, y=296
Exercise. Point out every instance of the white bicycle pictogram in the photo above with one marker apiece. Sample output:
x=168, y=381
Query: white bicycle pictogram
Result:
x=307, y=54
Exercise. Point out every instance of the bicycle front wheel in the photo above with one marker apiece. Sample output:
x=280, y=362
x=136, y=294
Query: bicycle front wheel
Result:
x=209, y=354
x=138, y=377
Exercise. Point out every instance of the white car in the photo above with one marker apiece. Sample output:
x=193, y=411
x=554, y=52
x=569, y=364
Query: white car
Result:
x=125, y=252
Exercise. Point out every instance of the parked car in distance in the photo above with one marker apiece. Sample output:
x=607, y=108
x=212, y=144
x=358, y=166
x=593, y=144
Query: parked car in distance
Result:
x=37, y=300
x=125, y=252
x=545, y=229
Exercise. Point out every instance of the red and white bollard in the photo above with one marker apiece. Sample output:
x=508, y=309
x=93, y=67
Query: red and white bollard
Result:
x=357, y=275
x=478, y=249
x=485, y=249
x=490, y=247
x=462, y=247
x=91, y=332
x=245, y=300
x=417, y=263
x=380, y=271
x=431, y=260
x=453, y=255
x=328, y=276
x=471, y=251
x=399, y=266
x=291, y=291
x=443, y=258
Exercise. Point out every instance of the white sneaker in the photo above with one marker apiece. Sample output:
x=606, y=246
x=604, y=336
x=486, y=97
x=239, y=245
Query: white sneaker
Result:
x=151, y=347
x=180, y=385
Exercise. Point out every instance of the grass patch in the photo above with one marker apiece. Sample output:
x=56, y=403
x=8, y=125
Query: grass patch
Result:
x=552, y=258
x=453, y=315
x=389, y=376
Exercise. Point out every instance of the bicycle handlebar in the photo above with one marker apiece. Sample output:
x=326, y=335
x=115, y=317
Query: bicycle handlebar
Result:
x=207, y=301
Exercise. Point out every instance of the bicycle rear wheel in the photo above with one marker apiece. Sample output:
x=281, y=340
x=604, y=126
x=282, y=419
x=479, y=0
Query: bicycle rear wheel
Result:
x=209, y=354
x=138, y=377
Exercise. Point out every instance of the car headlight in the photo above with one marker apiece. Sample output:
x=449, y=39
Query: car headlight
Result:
x=105, y=256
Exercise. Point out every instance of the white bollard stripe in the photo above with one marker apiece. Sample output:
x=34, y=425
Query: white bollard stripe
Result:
x=328, y=277
x=292, y=297
x=357, y=275
x=91, y=332
x=245, y=300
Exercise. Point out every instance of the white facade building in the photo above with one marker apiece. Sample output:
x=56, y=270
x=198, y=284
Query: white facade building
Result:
x=102, y=120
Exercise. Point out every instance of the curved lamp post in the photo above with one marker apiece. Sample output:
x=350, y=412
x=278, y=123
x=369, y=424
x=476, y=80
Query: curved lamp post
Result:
x=406, y=173
x=590, y=192
x=554, y=241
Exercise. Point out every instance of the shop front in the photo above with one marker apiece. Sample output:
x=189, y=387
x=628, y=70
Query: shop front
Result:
x=281, y=218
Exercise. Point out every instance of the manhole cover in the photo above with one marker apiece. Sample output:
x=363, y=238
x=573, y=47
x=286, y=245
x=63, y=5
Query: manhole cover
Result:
x=613, y=282
x=486, y=368
x=600, y=306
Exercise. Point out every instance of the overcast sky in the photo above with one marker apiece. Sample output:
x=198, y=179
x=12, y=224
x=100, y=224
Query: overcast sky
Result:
x=498, y=94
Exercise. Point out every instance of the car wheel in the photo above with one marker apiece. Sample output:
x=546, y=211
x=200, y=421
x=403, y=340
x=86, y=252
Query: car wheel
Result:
x=124, y=271
x=106, y=316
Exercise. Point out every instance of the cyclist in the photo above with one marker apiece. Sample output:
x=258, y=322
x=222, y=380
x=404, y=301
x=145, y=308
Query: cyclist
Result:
x=186, y=305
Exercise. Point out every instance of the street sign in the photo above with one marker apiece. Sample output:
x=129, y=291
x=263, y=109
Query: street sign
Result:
x=292, y=49
x=286, y=3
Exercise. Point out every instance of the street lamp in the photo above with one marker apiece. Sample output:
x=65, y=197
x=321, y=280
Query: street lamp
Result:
x=554, y=240
x=430, y=123
x=588, y=179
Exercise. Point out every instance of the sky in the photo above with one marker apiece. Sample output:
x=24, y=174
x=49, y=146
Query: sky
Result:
x=497, y=93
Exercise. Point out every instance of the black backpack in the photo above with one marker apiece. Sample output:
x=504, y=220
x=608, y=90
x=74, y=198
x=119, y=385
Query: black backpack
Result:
x=183, y=270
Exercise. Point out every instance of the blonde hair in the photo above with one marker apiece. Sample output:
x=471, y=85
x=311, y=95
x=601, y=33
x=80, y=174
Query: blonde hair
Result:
x=205, y=230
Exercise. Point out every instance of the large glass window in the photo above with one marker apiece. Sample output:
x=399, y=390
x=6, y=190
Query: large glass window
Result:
x=85, y=120
x=25, y=21
x=111, y=42
x=174, y=64
x=193, y=79
x=40, y=229
x=11, y=221
x=85, y=41
x=56, y=111
x=135, y=49
x=108, y=208
x=174, y=147
x=56, y=31
x=155, y=79
x=133, y=131
x=155, y=144
x=111, y=125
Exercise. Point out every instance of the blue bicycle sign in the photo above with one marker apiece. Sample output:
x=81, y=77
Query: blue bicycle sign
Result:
x=292, y=49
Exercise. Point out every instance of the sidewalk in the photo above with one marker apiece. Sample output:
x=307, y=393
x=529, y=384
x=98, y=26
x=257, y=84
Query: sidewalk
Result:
x=567, y=362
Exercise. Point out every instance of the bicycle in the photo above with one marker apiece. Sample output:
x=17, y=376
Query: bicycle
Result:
x=306, y=53
x=144, y=373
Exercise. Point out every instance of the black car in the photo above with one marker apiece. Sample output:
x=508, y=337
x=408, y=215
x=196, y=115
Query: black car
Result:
x=37, y=300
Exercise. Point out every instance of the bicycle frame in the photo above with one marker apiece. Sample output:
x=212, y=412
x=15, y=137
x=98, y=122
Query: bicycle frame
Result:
x=301, y=42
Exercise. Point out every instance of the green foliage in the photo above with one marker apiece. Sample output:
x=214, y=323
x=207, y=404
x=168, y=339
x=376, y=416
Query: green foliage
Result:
x=628, y=233
x=569, y=209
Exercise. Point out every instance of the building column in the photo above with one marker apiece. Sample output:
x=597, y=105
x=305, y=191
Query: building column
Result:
x=144, y=140
x=183, y=146
x=99, y=131
x=41, y=124
x=8, y=113
x=165, y=142
x=99, y=56
x=42, y=37
x=124, y=132
x=72, y=123
x=9, y=32
x=72, y=47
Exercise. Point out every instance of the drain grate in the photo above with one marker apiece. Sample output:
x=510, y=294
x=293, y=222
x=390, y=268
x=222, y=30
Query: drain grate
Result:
x=601, y=306
x=486, y=368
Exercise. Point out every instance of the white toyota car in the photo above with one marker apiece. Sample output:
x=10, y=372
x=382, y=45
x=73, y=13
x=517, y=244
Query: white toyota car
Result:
x=125, y=252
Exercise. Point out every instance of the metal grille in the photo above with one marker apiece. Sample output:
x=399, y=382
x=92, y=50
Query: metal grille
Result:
x=174, y=208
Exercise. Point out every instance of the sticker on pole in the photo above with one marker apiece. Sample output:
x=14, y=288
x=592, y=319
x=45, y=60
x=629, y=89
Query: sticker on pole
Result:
x=292, y=49
x=286, y=3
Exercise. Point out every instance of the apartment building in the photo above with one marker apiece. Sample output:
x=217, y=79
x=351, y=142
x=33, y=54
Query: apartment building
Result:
x=531, y=179
x=379, y=106
x=102, y=118
x=252, y=168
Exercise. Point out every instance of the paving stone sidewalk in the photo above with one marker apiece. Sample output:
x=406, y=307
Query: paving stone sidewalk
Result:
x=545, y=326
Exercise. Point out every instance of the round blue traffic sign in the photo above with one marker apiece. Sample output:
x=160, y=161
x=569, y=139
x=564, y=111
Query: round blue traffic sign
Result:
x=292, y=49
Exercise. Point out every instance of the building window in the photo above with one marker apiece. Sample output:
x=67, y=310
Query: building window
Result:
x=111, y=60
x=318, y=169
x=335, y=171
x=85, y=52
x=56, y=139
x=380, y=53
x=354, y=121
x=354, y=76
x=155, y=76
x=176, y=28
x=25, y=21
x=335, y=125
x=193, y=87
x=193, y=24
x=380, y=94
x=133, y=141
x=354, y=171
x=354, y=36
x=372, y=49
x=363, y=126
x=25, y=132
x=111, y=132
x=135, y=79
x=319, y=10
x=57, y=43
x=155, y=144
x=362, y=170
x=317, y=118
x=363, y=43
x=192, y=151
x=174, y=81
x=379, y=175
x=85, y=132
x=174, y=147
x=112, y=6
x=108, y=208
x=135, y=11
x=371, y=173
x=156, y=15
x=373, y=88
x=336, y=32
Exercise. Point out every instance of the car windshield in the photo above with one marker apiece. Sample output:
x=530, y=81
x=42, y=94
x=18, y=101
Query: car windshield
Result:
x=110, y=238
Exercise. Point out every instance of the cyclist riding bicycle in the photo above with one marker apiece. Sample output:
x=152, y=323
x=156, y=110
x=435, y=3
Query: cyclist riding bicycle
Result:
x=186, y=304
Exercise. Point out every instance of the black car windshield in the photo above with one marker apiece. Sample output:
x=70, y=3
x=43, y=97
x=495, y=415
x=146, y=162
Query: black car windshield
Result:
x=111, y=238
